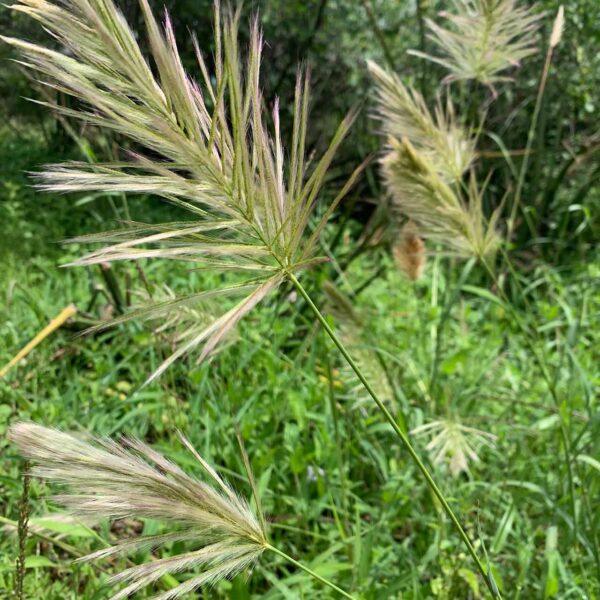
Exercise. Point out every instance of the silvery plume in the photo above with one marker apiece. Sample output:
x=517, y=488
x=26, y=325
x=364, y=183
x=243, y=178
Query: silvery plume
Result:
x=109, y=480
x=454, y=443
x=402, y=113
x=483, y=38
x=210, y=147
x=423, y=165
x=450, y=215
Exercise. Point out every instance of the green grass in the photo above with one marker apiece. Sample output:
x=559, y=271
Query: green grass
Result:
x=371, y=526
x=499, y=359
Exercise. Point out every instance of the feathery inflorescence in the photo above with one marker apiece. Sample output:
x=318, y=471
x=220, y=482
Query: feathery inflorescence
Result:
x=483, y=38
x=174, y=318
x=435, y=206
x=454, y=443
x=423, y=166
x=105, y=479
x=221, y=155
x=403, y=113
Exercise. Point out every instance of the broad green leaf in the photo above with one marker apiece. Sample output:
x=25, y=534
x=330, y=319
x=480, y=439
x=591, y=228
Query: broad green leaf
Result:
x=63, y=527
x=588, y=460
x=39, y=562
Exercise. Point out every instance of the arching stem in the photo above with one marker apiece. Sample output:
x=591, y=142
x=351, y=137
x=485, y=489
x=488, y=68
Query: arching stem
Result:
x=404, y=439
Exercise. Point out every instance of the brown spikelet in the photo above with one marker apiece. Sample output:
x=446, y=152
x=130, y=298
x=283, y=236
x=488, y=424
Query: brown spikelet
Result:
x=409, y=252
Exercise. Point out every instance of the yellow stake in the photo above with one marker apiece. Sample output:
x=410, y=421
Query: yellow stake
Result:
x=67, y=313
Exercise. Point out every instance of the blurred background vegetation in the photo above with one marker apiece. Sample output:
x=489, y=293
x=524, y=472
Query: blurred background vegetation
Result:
x=521, y=497
x=335, y=38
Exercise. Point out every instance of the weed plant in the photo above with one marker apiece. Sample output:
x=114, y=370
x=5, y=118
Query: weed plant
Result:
x=253, y=226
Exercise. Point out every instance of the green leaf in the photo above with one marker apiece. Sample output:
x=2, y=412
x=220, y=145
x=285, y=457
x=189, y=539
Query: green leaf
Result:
x=504, y=530
x=39, y=562
x=588, y=460
x=70, y=529
x=471, y=579
x=485, y=294
x=552, y=584
x=547, y=423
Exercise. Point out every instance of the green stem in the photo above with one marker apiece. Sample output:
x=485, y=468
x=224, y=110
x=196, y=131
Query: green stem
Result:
x=390, y=419
x=309, y=571
x=422, y=37
x=22, y=533
x=389, y=59
x=529, y=146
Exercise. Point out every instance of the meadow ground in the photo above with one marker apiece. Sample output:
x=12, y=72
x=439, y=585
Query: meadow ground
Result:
x=337, y=488
x=477, y=136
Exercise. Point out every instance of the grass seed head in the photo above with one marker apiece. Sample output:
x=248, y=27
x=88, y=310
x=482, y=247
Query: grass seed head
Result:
x=435, y=206
x=109, y=480
x=454, y=443
x=409, y=252
x=483, y=38
x=558, y=27
x=403, y=113
x=210, y=147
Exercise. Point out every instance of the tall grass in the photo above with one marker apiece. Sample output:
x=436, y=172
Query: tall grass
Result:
x=219, y=162
x=213, y=150
x=482, y=40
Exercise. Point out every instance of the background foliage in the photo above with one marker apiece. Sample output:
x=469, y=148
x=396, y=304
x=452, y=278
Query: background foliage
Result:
x=374, y=530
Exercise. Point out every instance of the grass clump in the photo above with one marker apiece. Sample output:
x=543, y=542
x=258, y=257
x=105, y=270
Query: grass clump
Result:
x=481, y=367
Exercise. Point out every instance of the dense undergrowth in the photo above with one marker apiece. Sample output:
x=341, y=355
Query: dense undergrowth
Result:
x=494, y=379
x=353, y=509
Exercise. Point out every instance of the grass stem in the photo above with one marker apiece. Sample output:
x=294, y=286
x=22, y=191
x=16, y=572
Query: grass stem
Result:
x=529, y=146
x=316, y=576
x=22, y=534
x=387, y=53
x=405, y=441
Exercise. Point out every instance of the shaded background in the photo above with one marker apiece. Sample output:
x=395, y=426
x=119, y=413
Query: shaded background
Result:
x=335, y=37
